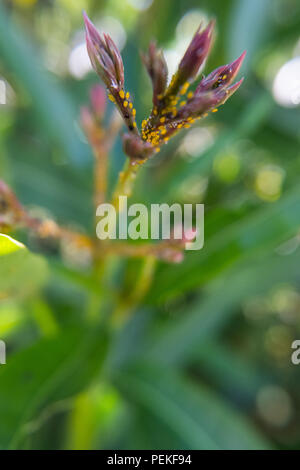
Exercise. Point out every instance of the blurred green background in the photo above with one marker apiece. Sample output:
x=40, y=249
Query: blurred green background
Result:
x=205, y=361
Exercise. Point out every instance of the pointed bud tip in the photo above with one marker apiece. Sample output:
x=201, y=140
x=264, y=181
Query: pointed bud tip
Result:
x=236, y=65
x=210, y=27
x=86, y=19
x=91, y=30
x=237, y=85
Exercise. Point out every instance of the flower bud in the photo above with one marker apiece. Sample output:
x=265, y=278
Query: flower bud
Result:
x=98, y=101
x=105, y=56
x=136, y=149
x=156, y=66
x=221, y=77
x=193, y=58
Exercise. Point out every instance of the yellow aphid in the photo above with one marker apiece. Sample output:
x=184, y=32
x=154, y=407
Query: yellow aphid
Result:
x=155, y=112
x=125, y=103
x=163, y=131
x=134, y=124
x=184, y=88
x=183, y=103
x=162, y=119
x=134, y=112
x=122, y=94
x=215, y=110
x=157, y=150
x=144, y=123
x=179, y=126
x=187, y=126
x=224, y=77
x=127, y=95
x=110, y=96
x=190, y=95
x=130, y=105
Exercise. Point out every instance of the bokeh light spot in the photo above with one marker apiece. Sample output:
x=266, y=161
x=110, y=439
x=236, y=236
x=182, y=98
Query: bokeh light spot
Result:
x=274, y=406
x=286, y=87
x=268, y=183
x=79, y=61
x=197, y=141
x=227, y=167
x=140, y=4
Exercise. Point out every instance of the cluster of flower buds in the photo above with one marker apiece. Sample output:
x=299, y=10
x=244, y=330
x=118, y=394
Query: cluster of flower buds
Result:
x=174, y=105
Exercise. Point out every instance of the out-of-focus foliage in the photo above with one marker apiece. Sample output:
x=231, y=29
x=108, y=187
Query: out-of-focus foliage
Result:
x=205, y=361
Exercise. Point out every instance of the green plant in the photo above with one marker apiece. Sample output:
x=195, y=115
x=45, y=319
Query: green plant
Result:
x=114, y=344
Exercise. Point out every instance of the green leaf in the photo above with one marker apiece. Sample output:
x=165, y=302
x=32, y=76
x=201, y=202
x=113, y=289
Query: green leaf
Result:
x=53, y=108
x=236, y=376
x=21, y=272
x=199, y=418
x=9, y=245
x=258, y=233
x=207, y=316
x=49, y=371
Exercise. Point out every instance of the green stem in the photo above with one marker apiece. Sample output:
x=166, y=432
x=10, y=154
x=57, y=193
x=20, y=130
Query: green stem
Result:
x=44, y=317
x=123, y=309
x=126, y=181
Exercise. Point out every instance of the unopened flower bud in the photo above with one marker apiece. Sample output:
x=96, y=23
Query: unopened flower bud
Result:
x=98, y=101
x=105, y=56
x=136, y=149
x=157, y=69
x=193, y=58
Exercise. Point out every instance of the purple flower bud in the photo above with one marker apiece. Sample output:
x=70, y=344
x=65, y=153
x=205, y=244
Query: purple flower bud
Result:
x=193, y=58
x=157, y=68
x=86, y=119
x=136, y=148
x=213, y=90
x=107, y=62
x=204, y=102
x=221, y=77
x=105, y=56
x=174, y=108
x=197, y=52
x=98, y=100
x=180, y=236
x=171, y=255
